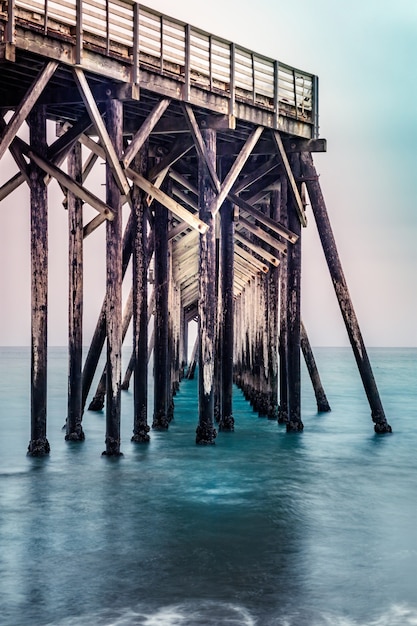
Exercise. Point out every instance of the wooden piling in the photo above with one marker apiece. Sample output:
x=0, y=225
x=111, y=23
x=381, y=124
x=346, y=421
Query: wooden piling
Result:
x=273, y=279
x=294, y=423
x=160, y=415
x=283, y=323
x=99, y=336
x=226, y=421
x=140, y=305
x=321, y=398
x=205, y=432
x=328, y=243
x=74, y=431
x=114, y=123
x=38, y=445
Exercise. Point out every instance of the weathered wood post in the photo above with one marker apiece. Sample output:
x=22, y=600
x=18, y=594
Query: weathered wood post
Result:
x=140, y=305
x=205, y=432
x=226, y=422
x=74, y=431
x=283, y=324
x=321, y=398
x=294, y=423
x=99, y=335
x=160, y=416
x=339, y=282
x=114, y=122
x=273, y=319
x=38, y=445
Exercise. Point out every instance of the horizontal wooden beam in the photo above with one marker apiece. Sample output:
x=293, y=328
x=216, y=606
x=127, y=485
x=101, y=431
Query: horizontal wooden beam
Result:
x=168, y=202
x=264, y=236
x=298, y=144
x=270, y=258
x=264, y=219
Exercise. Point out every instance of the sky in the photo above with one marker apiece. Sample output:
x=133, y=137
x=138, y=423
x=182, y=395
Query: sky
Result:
x=364, y=53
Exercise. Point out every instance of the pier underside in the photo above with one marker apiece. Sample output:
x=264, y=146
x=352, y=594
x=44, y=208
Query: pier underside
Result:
x=215, y=175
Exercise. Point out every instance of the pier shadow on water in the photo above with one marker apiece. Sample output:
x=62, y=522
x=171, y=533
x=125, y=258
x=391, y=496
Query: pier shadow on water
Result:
x=263, y=528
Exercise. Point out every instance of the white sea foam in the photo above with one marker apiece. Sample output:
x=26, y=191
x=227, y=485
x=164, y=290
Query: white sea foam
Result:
x=212, y=613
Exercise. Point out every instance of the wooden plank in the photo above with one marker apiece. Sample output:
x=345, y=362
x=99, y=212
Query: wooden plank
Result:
x=258, y=249
x=166, y=201
x=236, y=168
x=264, y=219
x=298, y=202
x=146, y=128
x=67, y=182
x=100, y=127
x=200, y=145
x=264, y=236
x=26, y=105
x=240, y=251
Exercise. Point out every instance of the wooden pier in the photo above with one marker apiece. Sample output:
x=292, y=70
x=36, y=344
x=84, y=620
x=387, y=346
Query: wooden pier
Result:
x=208, y=147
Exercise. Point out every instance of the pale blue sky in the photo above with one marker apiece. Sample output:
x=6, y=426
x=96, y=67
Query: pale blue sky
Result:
x=364, y=53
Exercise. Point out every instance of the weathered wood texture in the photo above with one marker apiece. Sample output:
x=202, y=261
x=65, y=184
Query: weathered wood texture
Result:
x=294, y=423
x=226, y=325
x=160, y=416
x=283, y=323
x=114, y=122
x=140, y=305
x=321, y=398
x=206, y=433
x=38, y=445
x=342, y=293
x=74, y=431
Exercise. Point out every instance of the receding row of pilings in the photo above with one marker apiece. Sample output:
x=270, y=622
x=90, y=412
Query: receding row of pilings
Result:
x=253, y=334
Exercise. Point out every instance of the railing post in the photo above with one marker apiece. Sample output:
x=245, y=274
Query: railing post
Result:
x=136, y=71
x=232, y=79
x=315, y=106
x=187, y=66
x=10, y=21
x=79, y=32
x=276, y=94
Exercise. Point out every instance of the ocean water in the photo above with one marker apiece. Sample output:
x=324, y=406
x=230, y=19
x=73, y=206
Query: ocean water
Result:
x=263, y=529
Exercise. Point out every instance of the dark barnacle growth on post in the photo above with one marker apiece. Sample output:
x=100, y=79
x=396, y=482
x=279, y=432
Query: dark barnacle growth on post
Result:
x=206, y=434
x=142, y=435
x=227, y=424
x=38, y=447
x=282, y=414
x=160, y=422
x=295, y=426
x=76, y=435
x=112, y=447
x=381, y=425
x=97, y=403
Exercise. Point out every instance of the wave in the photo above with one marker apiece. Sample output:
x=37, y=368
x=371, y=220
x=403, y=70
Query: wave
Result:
x=212, y=613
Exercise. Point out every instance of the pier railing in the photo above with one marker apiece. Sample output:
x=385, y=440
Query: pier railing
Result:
x=150, y=40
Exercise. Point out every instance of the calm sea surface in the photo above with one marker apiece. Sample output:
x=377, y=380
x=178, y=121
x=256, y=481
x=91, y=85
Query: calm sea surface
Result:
x=264, y=528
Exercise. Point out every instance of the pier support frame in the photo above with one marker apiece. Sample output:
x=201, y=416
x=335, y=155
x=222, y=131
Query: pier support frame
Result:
x=39, y=445
x=328, y=243
x=206, y=433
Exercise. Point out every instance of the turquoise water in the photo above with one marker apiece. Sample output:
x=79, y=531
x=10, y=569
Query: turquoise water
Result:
x=264, y=528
